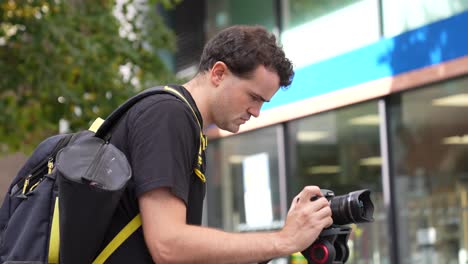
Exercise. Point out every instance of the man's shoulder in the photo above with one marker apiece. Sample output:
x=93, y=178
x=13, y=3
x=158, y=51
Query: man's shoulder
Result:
x=158, y=103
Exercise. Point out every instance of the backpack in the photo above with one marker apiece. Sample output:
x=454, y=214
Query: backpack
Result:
x=87, y=174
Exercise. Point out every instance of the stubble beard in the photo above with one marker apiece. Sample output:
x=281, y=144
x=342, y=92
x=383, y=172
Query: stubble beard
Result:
x=228, y=125
x=223, y=120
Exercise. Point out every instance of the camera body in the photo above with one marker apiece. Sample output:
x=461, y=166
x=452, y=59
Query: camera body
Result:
x=331, y=245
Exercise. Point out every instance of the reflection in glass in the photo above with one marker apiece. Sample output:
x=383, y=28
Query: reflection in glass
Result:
x=429, y=137
x=224, y=13
x=321, y=29
x=302, y=11
x=243, y=182
x=340, y=150
x=401, y=16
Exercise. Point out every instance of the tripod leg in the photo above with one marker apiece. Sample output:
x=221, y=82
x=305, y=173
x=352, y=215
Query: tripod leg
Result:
x=342, y=252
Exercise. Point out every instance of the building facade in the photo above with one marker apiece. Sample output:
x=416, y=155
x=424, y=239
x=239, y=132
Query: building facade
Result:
x=378, y=102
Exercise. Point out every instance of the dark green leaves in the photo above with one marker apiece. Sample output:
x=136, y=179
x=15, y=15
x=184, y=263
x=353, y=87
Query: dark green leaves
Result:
x=62, y=60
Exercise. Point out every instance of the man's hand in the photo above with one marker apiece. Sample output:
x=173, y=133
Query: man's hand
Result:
x=305, y=220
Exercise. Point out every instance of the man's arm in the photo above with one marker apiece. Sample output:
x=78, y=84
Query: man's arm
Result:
x=170, y=240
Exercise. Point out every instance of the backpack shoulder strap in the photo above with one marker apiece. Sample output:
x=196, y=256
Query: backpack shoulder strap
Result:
x=102, y=128
x=118, y=240
x=106, y=126
x=203, y=139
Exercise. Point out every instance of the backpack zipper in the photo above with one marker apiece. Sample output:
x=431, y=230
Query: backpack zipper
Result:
x=39, y=171
x=95, y=165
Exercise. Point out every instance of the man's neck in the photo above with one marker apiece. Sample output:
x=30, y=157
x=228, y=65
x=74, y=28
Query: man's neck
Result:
x=198, y=88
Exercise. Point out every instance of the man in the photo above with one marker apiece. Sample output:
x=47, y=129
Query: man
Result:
x=241, y=68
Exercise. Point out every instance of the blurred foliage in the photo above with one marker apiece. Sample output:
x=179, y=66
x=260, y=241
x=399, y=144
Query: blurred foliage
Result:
x=62, y=59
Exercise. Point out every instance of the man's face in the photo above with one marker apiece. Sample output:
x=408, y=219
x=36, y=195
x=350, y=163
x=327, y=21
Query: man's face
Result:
x=240, y=98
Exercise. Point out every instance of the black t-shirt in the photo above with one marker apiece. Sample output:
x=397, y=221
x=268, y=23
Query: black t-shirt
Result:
x=160, y=137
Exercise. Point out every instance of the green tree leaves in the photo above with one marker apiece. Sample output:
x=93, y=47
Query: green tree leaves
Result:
x=74, y=60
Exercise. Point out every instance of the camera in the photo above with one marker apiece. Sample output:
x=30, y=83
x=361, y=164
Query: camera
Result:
x=331, y=245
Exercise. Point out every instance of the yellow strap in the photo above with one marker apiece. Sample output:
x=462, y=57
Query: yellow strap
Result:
x=125, y=233
x=96, y=124
x=174, y=91
x=203, y=139
x=54, y=242
x=200, y=174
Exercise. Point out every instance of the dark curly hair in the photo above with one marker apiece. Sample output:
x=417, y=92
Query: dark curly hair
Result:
x=243, y=48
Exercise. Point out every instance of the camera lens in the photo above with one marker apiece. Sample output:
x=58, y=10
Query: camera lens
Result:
x=355, y=207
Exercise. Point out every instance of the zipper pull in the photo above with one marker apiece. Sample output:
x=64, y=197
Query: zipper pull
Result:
x=25, y=185
x=50, y=165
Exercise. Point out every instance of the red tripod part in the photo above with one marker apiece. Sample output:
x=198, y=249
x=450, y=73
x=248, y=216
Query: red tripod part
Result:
x=319, y=253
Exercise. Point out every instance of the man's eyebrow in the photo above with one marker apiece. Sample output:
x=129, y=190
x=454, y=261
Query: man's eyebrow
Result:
x=261, y=98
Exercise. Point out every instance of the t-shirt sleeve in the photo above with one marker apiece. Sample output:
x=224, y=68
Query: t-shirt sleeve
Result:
x=163, y=142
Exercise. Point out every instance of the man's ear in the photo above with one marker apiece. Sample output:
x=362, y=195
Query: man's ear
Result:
x=218, y=72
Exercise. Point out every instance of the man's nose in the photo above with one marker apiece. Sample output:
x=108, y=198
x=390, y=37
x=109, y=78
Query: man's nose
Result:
x=254, y=111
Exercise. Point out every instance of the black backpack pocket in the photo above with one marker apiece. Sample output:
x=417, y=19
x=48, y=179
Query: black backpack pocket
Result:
x=92, y=176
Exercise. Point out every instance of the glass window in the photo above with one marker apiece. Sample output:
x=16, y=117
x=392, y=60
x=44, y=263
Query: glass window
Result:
x=243, y=182
x=303, y=11
x=403, y=15
x=224, y=13
x=429, y=137
x=340, y=150
x=321, y=29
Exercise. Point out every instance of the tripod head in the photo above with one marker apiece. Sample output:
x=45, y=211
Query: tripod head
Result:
x=331, y=246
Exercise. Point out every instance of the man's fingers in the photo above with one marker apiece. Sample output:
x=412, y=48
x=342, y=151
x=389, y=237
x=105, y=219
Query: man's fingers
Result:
x=318, y=204
x=324, y=212
x=324, y=216
x=308, y=192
